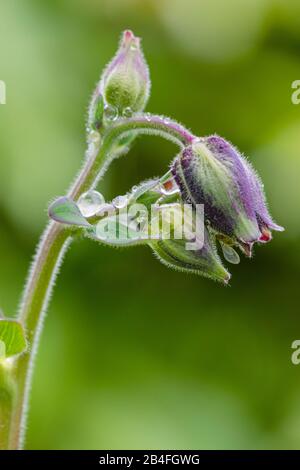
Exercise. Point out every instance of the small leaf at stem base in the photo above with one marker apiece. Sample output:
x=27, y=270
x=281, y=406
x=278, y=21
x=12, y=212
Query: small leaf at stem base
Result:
x=66, y=211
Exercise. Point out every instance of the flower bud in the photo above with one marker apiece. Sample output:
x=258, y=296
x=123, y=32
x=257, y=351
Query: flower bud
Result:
x=206, y=262
x=212, y=172
x=125, y=83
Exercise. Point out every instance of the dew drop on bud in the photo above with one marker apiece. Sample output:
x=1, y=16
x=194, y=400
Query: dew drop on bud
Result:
x=111, y=112
x=120, y=202
x=148, y=117
x=127, y=112
x=90, y=202
x=230, y=254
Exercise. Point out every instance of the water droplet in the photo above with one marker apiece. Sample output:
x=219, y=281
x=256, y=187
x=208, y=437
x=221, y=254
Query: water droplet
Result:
x=105, y=209
x=90, y=202
x=230, y=254
x=94, y=137
x=167, y=121
x=111, y=112
x=148, y=117
x=134, y=189
x=169, y=187
x=127, y=112
x=120, y=201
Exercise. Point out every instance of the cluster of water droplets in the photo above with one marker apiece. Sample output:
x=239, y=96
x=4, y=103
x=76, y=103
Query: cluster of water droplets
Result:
x=111, y=113
x=92, y=203
x=93, y=140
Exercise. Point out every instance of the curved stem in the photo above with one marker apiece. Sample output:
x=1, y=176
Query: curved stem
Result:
x=52, y=247
x=155, y=125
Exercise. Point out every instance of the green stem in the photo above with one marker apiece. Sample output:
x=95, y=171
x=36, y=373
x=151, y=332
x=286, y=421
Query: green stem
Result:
x=16, y=380
x=154, y=125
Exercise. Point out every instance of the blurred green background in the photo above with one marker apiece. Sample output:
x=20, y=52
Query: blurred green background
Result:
x=134, y=355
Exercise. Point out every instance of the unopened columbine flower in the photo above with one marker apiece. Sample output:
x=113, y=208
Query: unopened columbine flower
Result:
x=212, y=172
x=125, y=83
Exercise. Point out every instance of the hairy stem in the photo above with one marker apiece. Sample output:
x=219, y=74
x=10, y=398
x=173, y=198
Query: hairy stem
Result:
x=155, y=125
x=45, y=266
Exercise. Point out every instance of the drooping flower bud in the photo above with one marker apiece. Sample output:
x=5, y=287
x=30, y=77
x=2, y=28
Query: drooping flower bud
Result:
x=212, y=172
x=125, y=83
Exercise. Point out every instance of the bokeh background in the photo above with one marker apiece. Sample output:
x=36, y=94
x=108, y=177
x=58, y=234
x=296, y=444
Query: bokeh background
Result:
x=134, y=355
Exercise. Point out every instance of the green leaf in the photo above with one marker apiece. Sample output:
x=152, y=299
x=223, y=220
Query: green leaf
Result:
x=66, y=211
x=116, y=230
x=12, y=338
x=137, y=226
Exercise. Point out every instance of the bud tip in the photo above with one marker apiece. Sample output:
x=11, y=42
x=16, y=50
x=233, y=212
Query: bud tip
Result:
x=128, y=37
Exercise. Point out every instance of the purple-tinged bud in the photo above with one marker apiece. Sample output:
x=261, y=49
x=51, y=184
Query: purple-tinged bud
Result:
x=125, y=83
x=212, y=172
